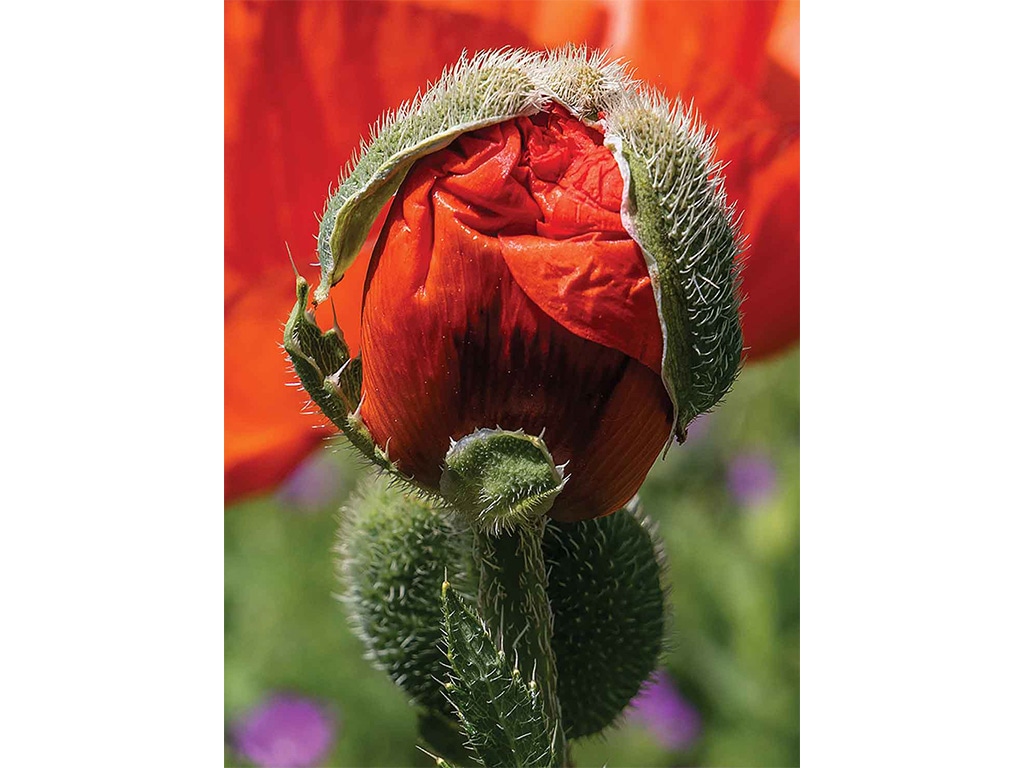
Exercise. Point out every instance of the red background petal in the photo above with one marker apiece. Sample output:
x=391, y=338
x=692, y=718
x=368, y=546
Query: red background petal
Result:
x=305, y=80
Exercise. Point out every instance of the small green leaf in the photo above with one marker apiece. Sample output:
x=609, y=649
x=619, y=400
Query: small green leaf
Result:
x=332, y=378
x=320, y=358
x=503, y=716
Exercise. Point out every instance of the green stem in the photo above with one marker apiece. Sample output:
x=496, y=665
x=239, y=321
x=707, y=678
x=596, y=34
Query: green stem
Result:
x=513, y=602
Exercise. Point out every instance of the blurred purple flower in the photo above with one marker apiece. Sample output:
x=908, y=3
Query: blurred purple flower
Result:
x=752, y=478
x=285, y=731
x=660, y=707
x=313, y=484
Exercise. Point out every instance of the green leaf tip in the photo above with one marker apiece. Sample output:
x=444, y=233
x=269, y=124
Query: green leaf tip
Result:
x=500, y=479
x=332, y=378
x=502, y=716
x=317, y=356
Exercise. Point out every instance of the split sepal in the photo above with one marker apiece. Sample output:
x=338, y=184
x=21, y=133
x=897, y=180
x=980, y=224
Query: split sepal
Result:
x=675, y=207
x=333, y=380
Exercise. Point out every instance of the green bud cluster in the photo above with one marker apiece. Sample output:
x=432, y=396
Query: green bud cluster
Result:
x=605, y=587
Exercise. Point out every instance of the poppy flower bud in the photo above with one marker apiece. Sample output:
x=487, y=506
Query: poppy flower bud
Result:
x=505, y=291
x=559, y=260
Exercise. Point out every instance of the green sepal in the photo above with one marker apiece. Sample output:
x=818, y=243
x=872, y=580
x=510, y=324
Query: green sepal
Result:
x=675, y=207
x=606, y=584
x=501, y=713
x=500, y=479
x=332, y=378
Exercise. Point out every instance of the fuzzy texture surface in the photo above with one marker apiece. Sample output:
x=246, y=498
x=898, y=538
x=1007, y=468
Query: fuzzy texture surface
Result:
x=606, y=582
x=505, y=292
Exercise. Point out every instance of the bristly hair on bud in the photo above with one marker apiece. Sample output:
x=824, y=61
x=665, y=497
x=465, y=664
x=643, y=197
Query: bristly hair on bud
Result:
x=608, y=592
x=675, y=207
x=394, y=551
x=500, y=480
x=585, y=81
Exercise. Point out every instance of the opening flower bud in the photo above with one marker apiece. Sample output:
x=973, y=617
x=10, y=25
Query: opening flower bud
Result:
x=559, y=259
x=505, y=292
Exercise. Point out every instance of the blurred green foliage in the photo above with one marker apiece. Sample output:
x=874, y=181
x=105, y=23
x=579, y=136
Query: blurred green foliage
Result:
x=734, y=634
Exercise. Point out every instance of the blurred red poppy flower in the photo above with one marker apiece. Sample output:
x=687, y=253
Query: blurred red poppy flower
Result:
x=304, y=80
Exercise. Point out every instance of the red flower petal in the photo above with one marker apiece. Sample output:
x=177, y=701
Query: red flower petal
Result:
x=454, y=340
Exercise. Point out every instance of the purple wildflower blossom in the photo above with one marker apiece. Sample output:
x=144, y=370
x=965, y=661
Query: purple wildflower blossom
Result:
x=673, y=721
x=752, y=478
x=285, y=731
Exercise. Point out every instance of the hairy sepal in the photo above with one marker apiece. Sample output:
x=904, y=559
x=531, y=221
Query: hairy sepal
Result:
x=332, y=378
x=489, y=88
x=674, y=205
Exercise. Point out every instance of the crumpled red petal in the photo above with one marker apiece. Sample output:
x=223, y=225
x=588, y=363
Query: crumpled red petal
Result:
x=469, y=315
x=550, y=193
